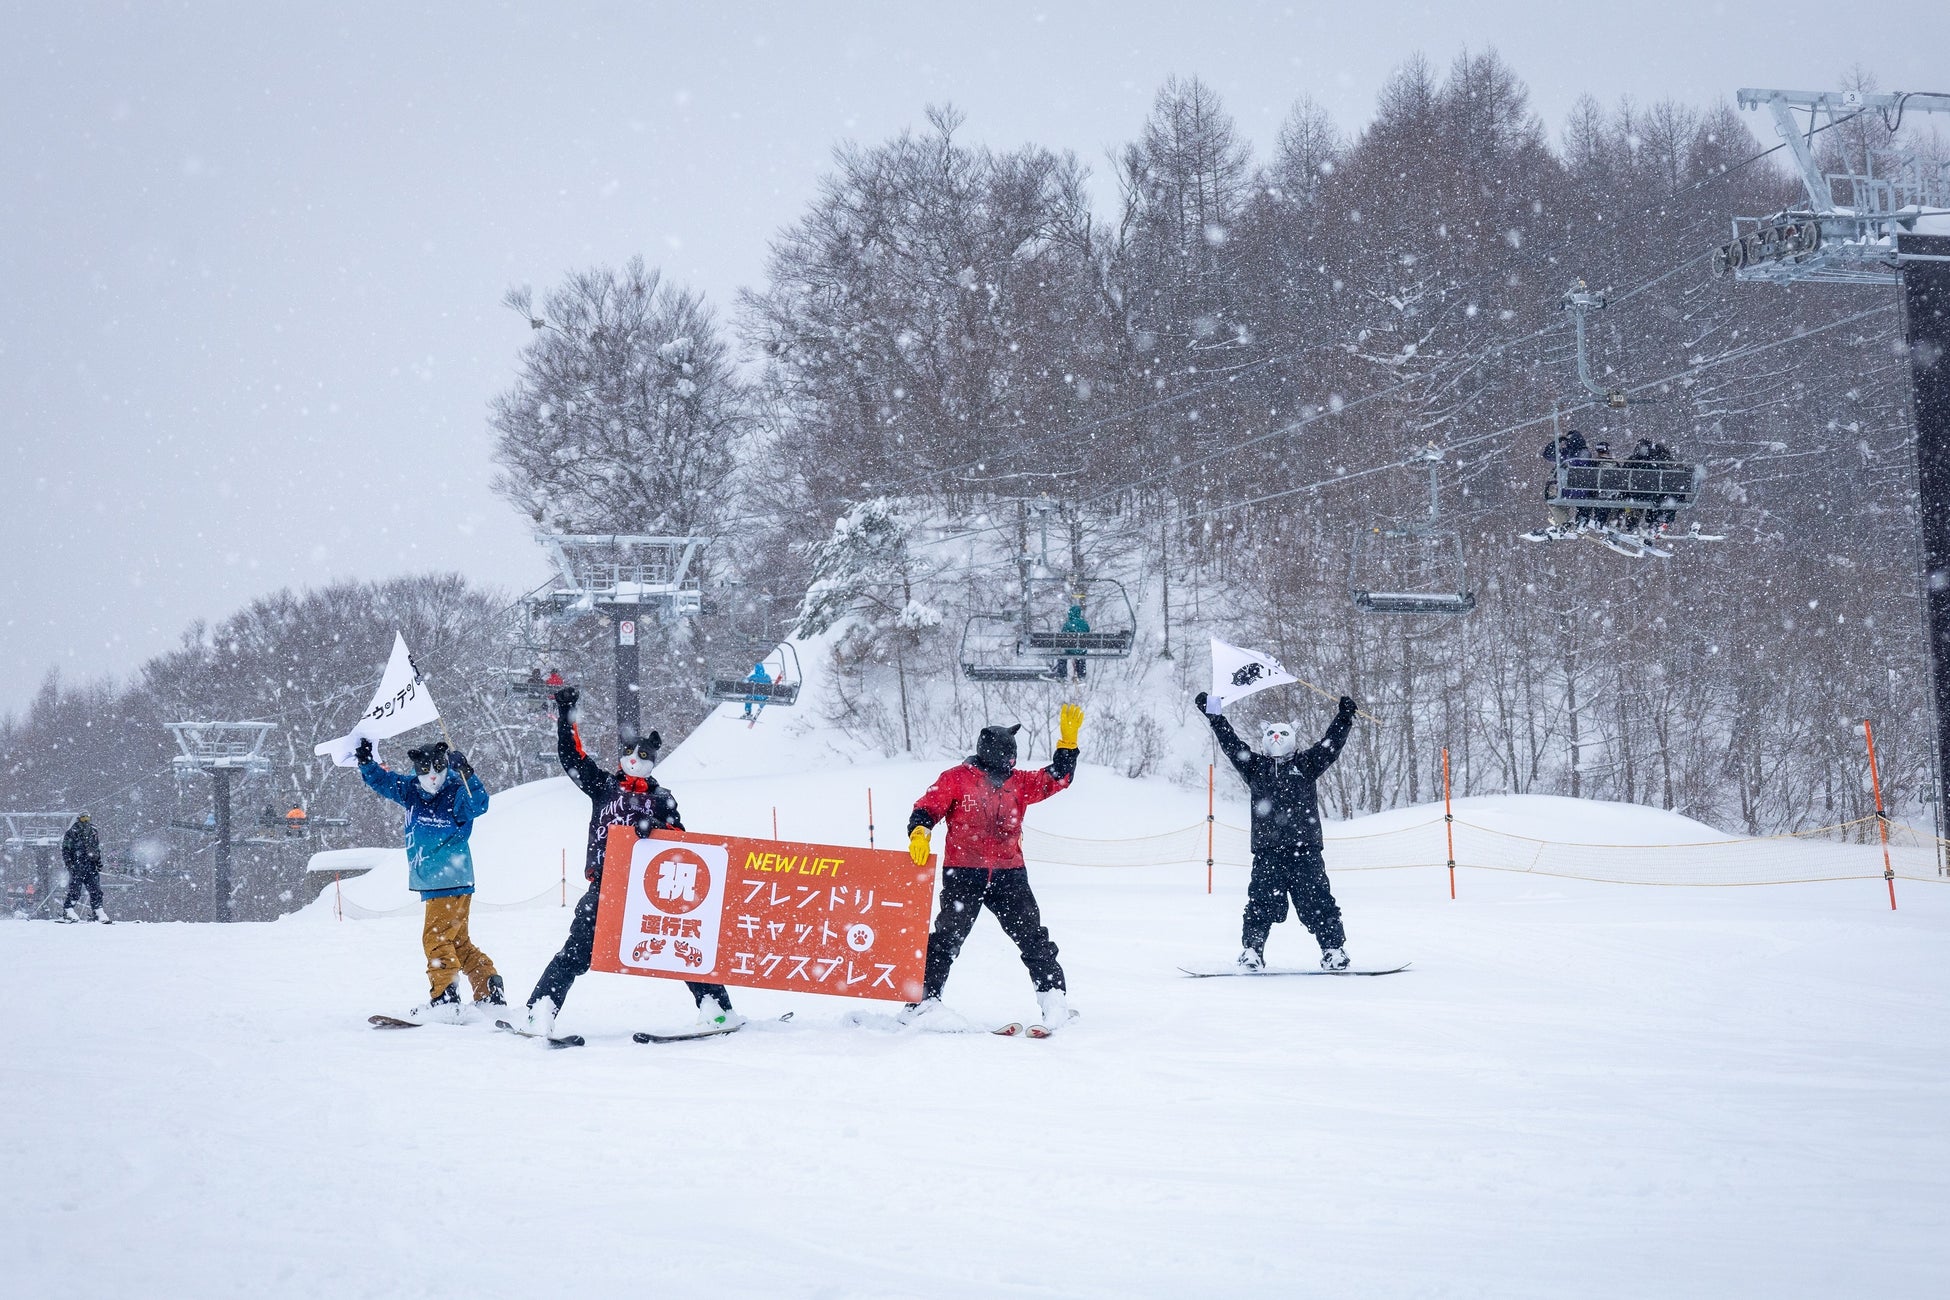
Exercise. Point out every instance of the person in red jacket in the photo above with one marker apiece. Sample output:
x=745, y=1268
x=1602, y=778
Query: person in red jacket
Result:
x=983, y=801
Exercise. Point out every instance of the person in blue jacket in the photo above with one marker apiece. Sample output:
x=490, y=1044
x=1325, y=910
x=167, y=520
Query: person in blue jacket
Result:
x=442, y=799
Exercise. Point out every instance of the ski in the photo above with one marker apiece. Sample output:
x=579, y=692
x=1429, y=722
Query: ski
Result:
x=716, y=1031
x=553, y=1040
x=1014, y=1029
x=1234, y=970
x=391, y=1022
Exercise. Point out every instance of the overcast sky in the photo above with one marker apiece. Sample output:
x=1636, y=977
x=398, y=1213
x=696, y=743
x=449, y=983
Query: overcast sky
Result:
x=251, y=255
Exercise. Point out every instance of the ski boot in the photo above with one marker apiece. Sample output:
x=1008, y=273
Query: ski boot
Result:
x=69, y=916
x=495, y=1002
x=1334, y=959
x=1252, y=959
x=1055, y=1006
x=914, y=1012
x=541, y=1017
x=443, y=1010
x=713, y=1014
x=101, y=914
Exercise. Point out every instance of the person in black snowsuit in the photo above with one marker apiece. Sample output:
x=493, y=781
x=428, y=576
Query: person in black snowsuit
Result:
x=1287, y=858
x=1566, y=449
x=629, y=796
x=81, y=853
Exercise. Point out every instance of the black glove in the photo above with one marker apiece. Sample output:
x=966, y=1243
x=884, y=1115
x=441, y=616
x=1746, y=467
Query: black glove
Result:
x=1347, y=706
x=565, y=699
x=1199, y=700
x=364, y=752
x=457, y=762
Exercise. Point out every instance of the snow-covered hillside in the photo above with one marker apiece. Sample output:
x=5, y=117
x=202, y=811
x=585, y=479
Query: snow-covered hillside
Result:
x=1578, y=1088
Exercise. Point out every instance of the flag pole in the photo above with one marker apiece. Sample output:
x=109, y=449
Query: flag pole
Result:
x=1329, y=695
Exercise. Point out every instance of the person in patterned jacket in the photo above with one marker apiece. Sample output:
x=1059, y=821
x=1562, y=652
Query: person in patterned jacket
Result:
x=629, y=796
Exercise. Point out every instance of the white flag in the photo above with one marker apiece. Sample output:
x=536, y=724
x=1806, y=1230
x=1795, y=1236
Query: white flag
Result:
x=1237, y=673
x=402, y=704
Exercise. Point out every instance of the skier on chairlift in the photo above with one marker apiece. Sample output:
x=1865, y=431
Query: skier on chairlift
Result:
x=759, y=680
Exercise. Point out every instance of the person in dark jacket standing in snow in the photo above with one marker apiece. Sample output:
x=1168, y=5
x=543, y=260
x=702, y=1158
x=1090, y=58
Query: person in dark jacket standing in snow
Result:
x=443, y=798
x=1286, y=833
x=81, y=854
x=983, y=801
x=629, y=796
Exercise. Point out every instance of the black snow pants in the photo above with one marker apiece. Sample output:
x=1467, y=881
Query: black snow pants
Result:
x=1301, y=874
x=573, y=961
x=80, y=878
x=965, y=891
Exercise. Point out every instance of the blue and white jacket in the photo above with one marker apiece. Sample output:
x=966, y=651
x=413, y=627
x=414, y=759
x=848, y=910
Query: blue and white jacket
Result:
x=438, y=863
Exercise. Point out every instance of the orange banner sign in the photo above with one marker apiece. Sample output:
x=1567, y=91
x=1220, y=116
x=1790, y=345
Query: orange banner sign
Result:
x=765, y=914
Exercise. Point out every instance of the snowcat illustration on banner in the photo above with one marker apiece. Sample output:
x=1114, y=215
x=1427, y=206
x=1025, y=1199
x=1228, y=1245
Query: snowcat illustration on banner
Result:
x=1412, y=567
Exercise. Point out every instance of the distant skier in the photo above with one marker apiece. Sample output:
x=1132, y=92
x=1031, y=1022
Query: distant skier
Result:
x=1287, y=842
x=81, y=853
x=983, y=801
x=443, y=799
x=629, y=796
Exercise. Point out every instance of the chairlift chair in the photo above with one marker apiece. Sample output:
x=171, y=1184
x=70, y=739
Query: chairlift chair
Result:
x=783, y=688
x=1411, y=568
x=1107, y=606
x=992, y=651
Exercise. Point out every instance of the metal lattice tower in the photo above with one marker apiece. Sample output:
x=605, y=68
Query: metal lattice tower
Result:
x=42, y=832
x=220, y=750
x=1883, y=234
x=1849, y=229
x=623, y=576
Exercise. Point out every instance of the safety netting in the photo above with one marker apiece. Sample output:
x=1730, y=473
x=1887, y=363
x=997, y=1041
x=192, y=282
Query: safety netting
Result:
x=1846, y=851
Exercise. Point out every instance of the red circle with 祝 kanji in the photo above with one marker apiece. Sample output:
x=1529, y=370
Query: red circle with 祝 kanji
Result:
x=653, y=871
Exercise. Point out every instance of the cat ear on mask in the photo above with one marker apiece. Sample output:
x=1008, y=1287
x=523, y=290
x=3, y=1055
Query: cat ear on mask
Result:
x=1013, y=730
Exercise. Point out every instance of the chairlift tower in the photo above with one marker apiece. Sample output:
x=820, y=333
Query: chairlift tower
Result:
x=42, y=832
x=1871, y=237
x=622, y=576
x=220, y=750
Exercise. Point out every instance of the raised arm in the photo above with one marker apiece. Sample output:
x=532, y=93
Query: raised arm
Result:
x=1322, y=755
x=583, y=770
x=1237, y=751
x=385, y=784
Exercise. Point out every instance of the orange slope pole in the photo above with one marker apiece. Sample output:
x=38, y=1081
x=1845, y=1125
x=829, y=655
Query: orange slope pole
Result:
x=1882, y=819
x=1449, y=823
x=1211, y=776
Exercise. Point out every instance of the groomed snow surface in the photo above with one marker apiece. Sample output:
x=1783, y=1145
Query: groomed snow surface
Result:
x=1578, y=1090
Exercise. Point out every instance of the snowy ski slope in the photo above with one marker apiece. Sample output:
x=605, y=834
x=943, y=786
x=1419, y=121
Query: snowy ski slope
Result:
x=1580, y=1089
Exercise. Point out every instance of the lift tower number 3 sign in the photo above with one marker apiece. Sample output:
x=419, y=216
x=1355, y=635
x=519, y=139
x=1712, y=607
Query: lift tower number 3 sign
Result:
x=808, y=918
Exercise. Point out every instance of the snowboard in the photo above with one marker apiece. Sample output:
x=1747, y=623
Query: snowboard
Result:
x=682, y=1036
x=1234, y=970
x=558, y=1040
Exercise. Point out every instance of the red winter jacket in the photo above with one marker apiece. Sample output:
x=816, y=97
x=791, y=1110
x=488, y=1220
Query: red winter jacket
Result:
x=985, y=815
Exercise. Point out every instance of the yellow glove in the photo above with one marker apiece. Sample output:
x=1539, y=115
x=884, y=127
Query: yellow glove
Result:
x=1069, y=721
x=917, y=846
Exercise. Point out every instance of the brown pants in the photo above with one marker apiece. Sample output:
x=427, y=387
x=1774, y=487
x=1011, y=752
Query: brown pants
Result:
x=450, y=951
